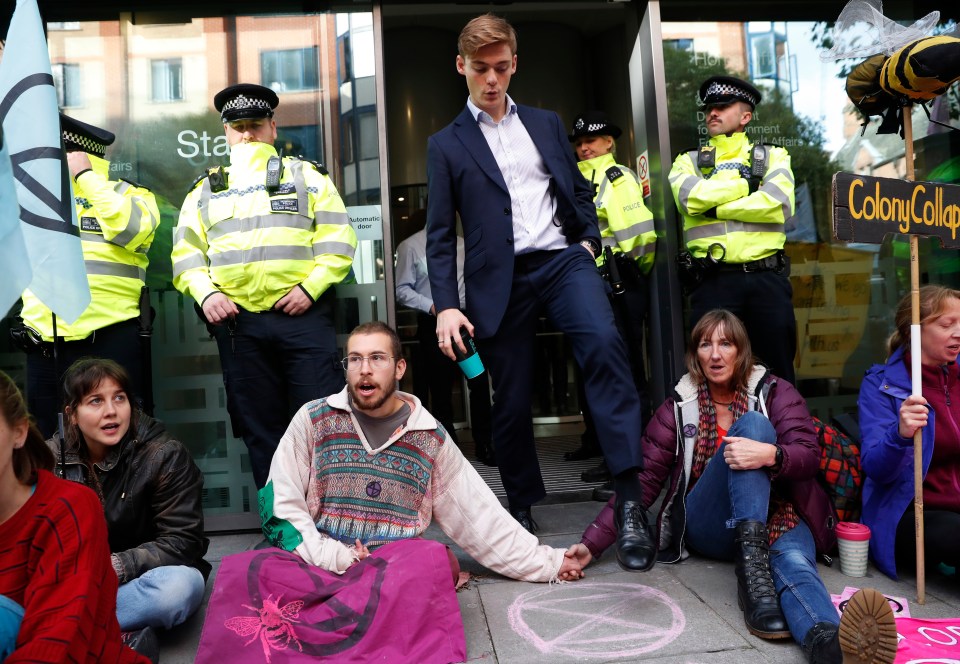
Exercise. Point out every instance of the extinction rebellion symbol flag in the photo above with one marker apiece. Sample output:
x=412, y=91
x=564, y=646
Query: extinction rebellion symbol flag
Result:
x=31, y=133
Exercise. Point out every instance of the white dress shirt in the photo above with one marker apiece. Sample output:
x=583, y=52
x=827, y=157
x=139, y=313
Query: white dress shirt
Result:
x=413, y=284
x=527, y=178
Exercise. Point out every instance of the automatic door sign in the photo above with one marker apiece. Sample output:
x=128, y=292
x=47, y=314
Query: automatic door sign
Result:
x=597, y=620
x=866, y=209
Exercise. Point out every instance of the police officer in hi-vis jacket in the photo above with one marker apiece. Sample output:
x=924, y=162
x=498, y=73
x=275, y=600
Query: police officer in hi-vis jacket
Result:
x=259, y=245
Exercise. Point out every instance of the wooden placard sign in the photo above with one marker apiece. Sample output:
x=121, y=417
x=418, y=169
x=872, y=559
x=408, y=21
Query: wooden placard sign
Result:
x=867, y=209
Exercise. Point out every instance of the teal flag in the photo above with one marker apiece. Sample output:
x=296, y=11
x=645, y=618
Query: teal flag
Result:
x=31, y=130
x=14, y=263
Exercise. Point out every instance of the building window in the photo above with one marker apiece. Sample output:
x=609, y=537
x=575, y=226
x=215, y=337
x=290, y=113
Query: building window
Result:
x=63, y=25
x=291, y=70
x=166, y=79
x=679, y=44
x=66, y=78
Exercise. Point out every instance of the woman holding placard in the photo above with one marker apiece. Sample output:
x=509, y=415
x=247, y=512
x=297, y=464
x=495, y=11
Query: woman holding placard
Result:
x=889, y=417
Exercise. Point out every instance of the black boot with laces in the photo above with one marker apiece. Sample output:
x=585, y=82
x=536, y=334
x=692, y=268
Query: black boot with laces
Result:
x=755, y=590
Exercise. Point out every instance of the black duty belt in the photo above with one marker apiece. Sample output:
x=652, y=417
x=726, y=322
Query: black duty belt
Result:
x=775, y=261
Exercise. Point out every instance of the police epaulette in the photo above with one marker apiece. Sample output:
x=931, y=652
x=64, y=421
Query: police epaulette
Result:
x=614, y=173
x=197, y=181
x=320, y=167
x=132, y=183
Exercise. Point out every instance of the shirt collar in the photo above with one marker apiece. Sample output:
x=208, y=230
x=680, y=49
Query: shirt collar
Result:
x=478, y=114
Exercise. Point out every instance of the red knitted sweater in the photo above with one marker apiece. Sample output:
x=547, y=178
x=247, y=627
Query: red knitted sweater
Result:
x=55, y=562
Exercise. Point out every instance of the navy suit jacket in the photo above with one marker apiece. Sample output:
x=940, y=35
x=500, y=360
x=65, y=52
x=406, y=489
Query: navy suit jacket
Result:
x=463, y=177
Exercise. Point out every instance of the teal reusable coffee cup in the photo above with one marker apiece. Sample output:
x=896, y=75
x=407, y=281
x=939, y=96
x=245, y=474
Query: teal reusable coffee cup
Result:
x=470, y=363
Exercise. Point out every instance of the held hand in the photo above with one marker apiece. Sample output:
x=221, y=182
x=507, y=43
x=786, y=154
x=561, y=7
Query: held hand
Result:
x=448, y=331
x=746, y=454
x=361, y=551
x=913, y=415
x=581, y=553
x=78, y=161
x=570, y=569
x=218, y=308
x=294, y=303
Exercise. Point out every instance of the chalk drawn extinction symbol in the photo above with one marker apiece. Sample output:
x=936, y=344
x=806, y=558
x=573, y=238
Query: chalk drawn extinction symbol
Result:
x=600, y=620
x=273, y=625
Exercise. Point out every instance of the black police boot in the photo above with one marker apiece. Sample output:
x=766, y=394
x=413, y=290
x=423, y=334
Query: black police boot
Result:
x=598, y=473
x=756, y=594
x=603, y=493
x=636, y=551
x=821, y=644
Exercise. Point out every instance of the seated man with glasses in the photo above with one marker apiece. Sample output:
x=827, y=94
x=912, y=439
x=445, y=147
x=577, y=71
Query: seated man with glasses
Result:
x=356, y=480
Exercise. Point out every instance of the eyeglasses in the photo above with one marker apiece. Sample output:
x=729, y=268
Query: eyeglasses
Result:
x=376, y=360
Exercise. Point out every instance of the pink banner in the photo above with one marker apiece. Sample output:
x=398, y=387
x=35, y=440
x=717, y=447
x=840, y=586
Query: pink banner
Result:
x=932, y=641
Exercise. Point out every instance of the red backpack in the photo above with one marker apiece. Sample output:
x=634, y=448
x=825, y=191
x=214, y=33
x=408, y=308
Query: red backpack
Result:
x=840, y=473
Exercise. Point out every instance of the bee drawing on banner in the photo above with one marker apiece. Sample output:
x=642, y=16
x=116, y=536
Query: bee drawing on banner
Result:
x=273, y=625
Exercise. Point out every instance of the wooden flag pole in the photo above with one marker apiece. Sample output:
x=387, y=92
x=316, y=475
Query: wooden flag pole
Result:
x=915, y=370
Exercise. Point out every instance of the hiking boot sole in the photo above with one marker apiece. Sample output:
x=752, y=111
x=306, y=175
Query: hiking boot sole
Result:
x=868, y=631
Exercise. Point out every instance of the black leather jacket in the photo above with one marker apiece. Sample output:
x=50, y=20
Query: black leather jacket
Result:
x=151, y=494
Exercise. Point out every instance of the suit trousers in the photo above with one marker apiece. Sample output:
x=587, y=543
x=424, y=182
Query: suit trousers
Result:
x=566, y=285
x=272, y=365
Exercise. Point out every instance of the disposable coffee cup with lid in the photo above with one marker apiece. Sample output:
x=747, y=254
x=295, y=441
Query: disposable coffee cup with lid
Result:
x=469, y=362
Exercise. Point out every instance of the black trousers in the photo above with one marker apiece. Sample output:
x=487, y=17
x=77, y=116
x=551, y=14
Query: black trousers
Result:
x=630, y=312
x=272, y=365
x=118, y=342
x=941, y=543
x=763, y=301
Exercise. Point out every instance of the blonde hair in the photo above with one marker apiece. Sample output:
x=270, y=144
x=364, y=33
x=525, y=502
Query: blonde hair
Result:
x=933, y=301
x=734, y=332
x=485, y=30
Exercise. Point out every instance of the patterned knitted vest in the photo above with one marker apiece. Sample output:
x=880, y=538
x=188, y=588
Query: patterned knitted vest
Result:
x=376, y=497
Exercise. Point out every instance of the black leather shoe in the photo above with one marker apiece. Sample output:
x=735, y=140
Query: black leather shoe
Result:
x=599, y=473
x=603, y=493
x=525, y=519
x=485, y=454
x=584, y=452
x=636, y=551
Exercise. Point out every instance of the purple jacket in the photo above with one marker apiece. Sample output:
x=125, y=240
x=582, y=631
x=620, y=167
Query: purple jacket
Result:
x=668, y=448
x=887, y=458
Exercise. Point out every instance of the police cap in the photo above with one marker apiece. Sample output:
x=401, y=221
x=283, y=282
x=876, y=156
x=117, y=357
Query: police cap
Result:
x=245, y=101
x=593, y=123
x=726, y=90
x=84, y=137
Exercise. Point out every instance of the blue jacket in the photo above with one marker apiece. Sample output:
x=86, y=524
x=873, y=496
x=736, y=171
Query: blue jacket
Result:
x=463, y=178
x=886, y=457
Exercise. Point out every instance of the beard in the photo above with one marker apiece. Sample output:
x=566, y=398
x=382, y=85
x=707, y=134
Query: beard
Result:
x=372, y=402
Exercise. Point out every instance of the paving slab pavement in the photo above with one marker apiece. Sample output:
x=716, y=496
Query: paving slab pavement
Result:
x=674, y=614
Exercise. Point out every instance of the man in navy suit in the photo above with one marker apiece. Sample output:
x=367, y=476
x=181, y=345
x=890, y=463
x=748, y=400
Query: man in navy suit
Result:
x=531, y=235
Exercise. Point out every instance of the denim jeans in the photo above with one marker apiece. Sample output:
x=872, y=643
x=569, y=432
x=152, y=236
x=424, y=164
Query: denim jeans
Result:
x=721, y=498
x=162, y=597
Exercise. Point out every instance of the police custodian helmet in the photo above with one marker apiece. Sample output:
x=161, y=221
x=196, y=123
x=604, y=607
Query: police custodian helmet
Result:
x=245, y=101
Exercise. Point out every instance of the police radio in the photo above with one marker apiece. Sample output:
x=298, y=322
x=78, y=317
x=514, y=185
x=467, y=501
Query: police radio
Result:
x=274, y=172
x=758, y=166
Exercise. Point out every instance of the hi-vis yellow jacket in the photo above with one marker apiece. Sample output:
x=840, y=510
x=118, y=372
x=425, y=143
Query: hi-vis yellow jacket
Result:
x=626, y=224
x=117, y=222
x=255, y=247
x=717, y=206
